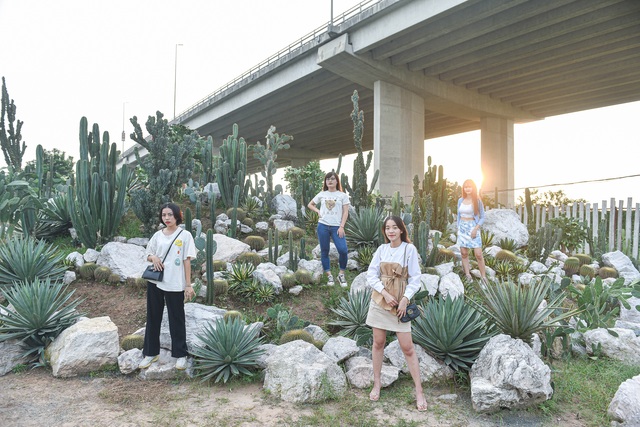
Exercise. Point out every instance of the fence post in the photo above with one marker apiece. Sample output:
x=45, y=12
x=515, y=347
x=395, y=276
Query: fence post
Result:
x=627, y=228
x=619, y=225
x=636, y=231
x=596, y=220
x=587, y=222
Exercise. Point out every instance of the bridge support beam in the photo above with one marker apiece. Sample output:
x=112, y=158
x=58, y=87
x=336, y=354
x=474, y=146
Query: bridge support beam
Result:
x=497, y=158
x=398, y=138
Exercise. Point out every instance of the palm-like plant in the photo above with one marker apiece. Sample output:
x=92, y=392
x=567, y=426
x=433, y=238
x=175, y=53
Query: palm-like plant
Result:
x=363, y=228
x=24, y=259
x=228, y=349
x=41, y=311
x=353, y=315
x=515, y=310
x=453, y=331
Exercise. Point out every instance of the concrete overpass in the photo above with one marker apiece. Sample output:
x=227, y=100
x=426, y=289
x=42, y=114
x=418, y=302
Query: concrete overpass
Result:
x=431, y=68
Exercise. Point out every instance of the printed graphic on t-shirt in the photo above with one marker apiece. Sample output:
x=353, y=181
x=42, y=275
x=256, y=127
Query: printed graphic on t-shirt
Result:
x=330, y=204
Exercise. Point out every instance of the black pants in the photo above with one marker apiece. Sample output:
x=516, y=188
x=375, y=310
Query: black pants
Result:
x=156, y=299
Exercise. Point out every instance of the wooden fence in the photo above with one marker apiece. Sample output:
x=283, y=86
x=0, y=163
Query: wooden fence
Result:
x=622, y=223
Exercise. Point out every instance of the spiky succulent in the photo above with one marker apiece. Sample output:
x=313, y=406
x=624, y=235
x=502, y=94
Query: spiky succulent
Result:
x=23, y=259
x=352, y=316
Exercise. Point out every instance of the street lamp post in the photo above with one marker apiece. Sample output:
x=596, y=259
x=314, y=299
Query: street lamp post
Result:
x=123, y=133
x=175, y=79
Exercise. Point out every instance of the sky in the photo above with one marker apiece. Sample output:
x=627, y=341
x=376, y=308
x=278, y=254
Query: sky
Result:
x=111, y=60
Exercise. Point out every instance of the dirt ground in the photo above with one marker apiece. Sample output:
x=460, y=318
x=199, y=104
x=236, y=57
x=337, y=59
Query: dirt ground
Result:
x=36, y=398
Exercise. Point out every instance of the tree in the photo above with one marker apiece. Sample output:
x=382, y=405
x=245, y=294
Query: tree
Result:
x=62, y=165
x=11, y=139
x=550, y=198
x=308, y=179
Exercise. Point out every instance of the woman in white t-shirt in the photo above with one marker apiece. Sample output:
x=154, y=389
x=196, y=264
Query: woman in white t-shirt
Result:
x=179, y=248
x=333, y=212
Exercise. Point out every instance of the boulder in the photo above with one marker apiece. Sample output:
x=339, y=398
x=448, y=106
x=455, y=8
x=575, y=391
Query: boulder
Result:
x=228, y=249
x=266, y=273
x=86, y=346
x=77, y=258
x=451, y=285
x=91, y=255
x=69, y=277
x=360, y=373
x=283, y=226
x=262, y=227
x=140, y=241
x=11, y=355
x=285, y=205
x=429, y=283
x=197, y=317
x=430, y=368
x=298, y=372
x=506, y=224
x=333, y=252
x=624, y=409
x=314, y=266
x=625, y=347
x=317, y=333
x=359, y=283
x=537, y=267
x=444, y=269
x=622, y=264
x=508, y=374
x=340, y=348
x=631, y=315
x=165, y=368
x=129, y=360
x=124, y=259
x=268, y=349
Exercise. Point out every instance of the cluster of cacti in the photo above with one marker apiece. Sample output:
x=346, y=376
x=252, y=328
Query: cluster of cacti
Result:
x=87, y=270
x=101, y=273
x=221, y=286
x=250, y=257
x=296, y=334
x=359, y=192
x=303, y=276
x=584, y=258
x=288, y=280
x=267, y=155
x=11, y=138
x=543, y=242
x=607, y=272
x=130, y=342
x=273, y=242
x=96, y=203
x=231, y=315
x=587, y=270
x=255, y=242
x=435, y=185
x=231, y=169
x=210, y=250
x=505, y=255
x=303, y=248
x=571, y=266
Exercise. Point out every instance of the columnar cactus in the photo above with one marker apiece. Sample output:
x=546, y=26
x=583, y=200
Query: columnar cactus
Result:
x=231, y=169
x=267, y=155
x=210, y=250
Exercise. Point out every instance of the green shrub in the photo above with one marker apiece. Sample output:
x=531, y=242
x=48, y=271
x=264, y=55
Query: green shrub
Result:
x=41, y=311
x=303, y=276
x=599, y=305
x=132, y=341
x=574, y=233
x=508, y=244
x=452, y=330
x=607, y=272
x=101, y=273
x=250, y=258
x=352, y=316
x=288, y=280
x=296, y=334
x=24, y=259
x=364, y=256
x=231, y=315
x=228, y=349
x=263, y=293
x=256, y=243
x=514, y=309
x=251, y=206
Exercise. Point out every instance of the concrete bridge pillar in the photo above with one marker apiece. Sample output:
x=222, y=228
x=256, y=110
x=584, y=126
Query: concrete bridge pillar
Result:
x=496, y=156
x=398, y=138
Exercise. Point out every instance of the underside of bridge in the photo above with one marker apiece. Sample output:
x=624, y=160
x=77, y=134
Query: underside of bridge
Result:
x=477, y=64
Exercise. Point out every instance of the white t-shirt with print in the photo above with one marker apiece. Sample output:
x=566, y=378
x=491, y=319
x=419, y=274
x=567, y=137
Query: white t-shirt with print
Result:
x=182, y=249
x=330, y=204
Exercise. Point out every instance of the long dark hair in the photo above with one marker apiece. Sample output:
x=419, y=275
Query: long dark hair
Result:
x=400, y=223
x=474, y=195
x=177, y=213
x=329, y=175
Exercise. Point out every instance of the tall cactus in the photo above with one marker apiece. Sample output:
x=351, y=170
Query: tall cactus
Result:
x=233, y=227
x=96, y=204
x=435, y=185
x=11, y=142
x=210, y=250
x=231, y=169
x=188, y=221
x=267, y=155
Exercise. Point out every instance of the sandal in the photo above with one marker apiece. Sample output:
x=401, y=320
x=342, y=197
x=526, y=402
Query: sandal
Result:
x=374, y=396
x=422, y=407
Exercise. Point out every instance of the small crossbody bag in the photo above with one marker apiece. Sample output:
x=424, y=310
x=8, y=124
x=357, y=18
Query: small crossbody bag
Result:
x=150, y=273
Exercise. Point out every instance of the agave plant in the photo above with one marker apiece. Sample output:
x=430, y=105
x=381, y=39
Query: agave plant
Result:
x=240, y=277
x=363, y=228
x=54, y=218
x=453, y=331
x=508, y=244
x=228, y=349
x=364, y=256
x=41, y=311
x=24, y=259
x=515, y=310
x=353, y=315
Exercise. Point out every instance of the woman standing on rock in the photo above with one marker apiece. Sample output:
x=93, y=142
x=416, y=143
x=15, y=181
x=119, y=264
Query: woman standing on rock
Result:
x=394, y=276
x=332, y=216
x=177, y=249
x=470, y=219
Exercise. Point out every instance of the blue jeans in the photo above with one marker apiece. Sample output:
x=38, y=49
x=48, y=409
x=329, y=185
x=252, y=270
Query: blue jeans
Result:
x=324, y=233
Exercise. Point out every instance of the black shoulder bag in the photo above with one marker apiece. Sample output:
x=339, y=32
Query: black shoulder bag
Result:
x=150, y=273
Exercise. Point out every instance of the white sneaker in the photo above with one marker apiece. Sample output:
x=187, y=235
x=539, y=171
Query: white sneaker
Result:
x=181, y=363
x=330, y=281
x=342, y=280
x=147, y=361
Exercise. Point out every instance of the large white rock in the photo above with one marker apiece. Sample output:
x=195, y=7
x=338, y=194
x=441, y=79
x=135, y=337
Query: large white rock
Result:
x=317, y=333
x=228, y=249
x=129, y=360
x=283, y=226
x=11, y=355
x=625, y=347
x=430, y=368
x=360, y=373
x=285, y=205
x=622, y=264
x=314, y=266
x=91, y=255
x=451, y=285
x=165, y=368
x=266, y=273
x=197, y=317
x=123, y=259
x=69, y=277
x=340, y=348
x=359, y=283
x=84, y=347
x=77, y=258
x=429, y=283
x=444, y=269
x=508, y=374
x=632, y=314
x=624, y=409
x=298, y=372
x=506, y=224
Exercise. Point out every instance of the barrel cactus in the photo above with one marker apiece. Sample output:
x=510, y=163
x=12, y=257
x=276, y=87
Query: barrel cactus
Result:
x=220, y=286
x=86, y=271
x=587, y=270
x=248, y=222
x=296, y=334
x=607, y=272
x=288, y=280
x=319, y=344
x=132, y=341
x=505, y=255
x=232, y=314
x=304, y=276
x=297, y=232
x=114, y=278
x=584, y=259
x=571, y=266
x=240, y=215
x=219, y=265
x=249, y=257
x=101, y=273
x=256, y=243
